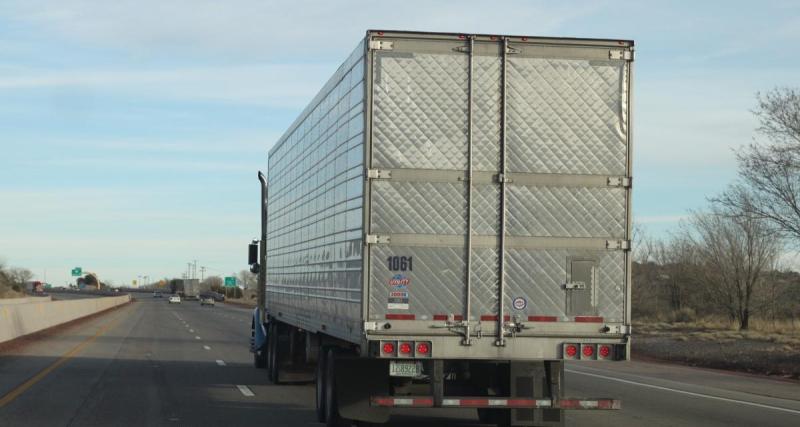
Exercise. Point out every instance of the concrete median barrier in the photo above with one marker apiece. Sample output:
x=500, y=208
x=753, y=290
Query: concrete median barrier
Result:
x=17, y=320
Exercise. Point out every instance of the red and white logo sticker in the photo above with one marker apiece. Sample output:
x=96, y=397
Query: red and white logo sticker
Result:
x=519, y=303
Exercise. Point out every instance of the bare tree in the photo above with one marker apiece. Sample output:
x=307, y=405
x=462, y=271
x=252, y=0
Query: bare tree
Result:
x=19, y=276
x=769, y=173
x=677, y=258
x=214, y=283
x=735, y=249
x=246, y=279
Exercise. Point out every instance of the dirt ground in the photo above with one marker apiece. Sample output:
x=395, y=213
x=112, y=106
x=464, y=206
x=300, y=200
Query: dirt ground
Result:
x=755, y=352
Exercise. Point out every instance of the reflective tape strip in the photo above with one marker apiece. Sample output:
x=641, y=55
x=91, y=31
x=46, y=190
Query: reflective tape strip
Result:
x=542, y=319
x=483, y=402
x=401, y=317
x=418, y=402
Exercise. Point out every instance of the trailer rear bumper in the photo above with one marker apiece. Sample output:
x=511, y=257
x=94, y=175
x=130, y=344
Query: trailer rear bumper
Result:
x=519, y=348
x=495, y=402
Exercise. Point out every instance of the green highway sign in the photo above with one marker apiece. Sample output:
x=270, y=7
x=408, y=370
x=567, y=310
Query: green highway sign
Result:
x=77, y=271
x=230, y=282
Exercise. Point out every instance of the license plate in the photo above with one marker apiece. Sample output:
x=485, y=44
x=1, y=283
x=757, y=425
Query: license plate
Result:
x=404, y=369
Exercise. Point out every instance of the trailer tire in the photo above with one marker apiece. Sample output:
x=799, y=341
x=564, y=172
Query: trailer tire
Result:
x=320, y=385
x=332, y=417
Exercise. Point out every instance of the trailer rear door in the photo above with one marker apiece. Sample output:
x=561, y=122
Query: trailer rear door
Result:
x=499, y=179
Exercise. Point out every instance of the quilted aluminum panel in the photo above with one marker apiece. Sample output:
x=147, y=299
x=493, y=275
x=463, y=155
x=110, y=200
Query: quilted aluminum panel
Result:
x=566, y=116
x=420, y=111
x=566, y=211
x=435, y=285
x=486, y=113
x=433, y=208
x=485, y=278
x=418, y=207
x=538, y=276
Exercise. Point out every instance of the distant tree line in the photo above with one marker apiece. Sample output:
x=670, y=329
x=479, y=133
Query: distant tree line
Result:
x=12, y=281
x=726, y=260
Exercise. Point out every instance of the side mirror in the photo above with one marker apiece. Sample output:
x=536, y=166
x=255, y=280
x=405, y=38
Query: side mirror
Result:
x=252, y=253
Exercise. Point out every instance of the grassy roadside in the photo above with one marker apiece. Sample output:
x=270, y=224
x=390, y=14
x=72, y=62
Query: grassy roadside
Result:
x=767, y=349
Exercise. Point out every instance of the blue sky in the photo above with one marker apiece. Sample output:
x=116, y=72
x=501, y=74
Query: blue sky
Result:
x=131, y=131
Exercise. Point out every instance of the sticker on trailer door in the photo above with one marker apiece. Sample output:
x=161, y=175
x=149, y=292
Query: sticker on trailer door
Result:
x=519, y=303
x=398, y=292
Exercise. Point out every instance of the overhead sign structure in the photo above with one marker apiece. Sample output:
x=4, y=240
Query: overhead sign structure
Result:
x=77, y=271
x=230, y=282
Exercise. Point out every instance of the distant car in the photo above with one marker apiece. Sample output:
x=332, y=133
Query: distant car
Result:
x=174, y=299
x=207, y=301
x=157, y=295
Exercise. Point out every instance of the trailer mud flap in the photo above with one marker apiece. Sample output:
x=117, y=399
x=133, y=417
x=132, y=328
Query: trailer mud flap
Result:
x=362, y=379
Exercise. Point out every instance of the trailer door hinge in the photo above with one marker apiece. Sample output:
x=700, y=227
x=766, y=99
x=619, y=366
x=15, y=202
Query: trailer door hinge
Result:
x=618, y=329
x=462, y=49
x=377, y=238
x=510, y=50
x=370, y=326
x=381, y=45
x=378, y=174
x=619, y=181
x=626, y=55
x=502, y=178
x=624, y=245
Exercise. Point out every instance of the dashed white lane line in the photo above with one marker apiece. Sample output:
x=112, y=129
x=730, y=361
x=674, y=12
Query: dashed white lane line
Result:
x=197, y=337
x=689, y=393
x=220, y=362
x=207, y=347
x=191, y=330
x=245, y=390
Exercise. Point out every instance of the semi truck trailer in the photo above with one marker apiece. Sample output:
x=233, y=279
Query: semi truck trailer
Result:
x=448, y=223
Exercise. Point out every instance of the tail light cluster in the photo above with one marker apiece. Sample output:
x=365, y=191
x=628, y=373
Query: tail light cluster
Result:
x=406, y=349
x=588, y=351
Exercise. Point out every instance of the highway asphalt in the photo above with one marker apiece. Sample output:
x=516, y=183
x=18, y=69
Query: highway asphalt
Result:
x=151, y=363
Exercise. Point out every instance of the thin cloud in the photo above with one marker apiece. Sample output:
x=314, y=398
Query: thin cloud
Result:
x=272, y=85
x=268, y=28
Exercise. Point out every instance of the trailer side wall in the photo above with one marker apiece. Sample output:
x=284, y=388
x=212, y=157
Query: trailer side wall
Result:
x=315, y=208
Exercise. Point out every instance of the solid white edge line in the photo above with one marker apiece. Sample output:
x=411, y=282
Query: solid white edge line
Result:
x=245, y=390
x=708, y=396
x=220, y=362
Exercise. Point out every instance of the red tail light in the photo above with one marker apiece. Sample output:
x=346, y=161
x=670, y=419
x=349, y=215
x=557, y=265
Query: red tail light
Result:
x=571, y=350
x=423, y=348
x=405, y=348
x=604, y=351
x=588, y=351
x=388, y=348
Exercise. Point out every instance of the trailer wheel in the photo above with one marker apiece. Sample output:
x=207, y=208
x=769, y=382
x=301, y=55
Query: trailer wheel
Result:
x=332, y=417
x=320, y=383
